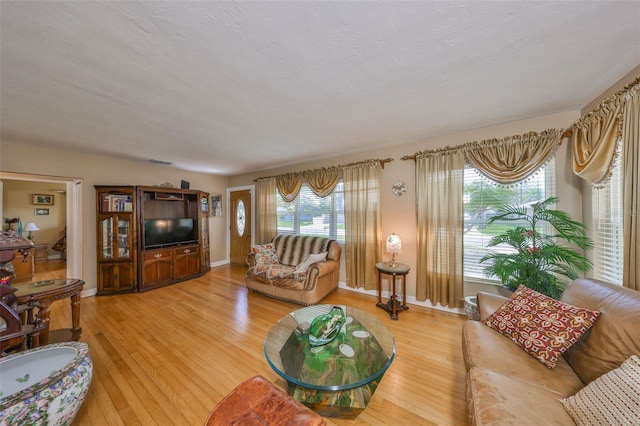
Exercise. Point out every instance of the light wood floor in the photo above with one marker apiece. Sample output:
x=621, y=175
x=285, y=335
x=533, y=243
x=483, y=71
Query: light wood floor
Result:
x=167, y=356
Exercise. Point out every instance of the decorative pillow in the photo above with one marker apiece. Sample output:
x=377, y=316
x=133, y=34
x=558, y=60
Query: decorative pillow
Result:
x=265, y=254
x=613, y=398
x=309, y=260
x=542, y=326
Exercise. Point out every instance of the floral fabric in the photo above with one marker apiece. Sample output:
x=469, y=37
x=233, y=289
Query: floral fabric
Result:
x=267, y=273
x=542, y=326
x=265, y=254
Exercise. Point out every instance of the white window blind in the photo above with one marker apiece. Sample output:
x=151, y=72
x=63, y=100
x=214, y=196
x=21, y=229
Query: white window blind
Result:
x=483, y=198
x=607, y=227
x=311, y=215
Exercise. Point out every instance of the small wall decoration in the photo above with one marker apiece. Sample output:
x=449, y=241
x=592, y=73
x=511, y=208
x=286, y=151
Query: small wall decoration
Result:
x=46, y=200
x=216, y=205
x=42, y=212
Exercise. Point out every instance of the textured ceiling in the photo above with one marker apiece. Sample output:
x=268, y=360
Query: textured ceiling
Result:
x=232, y=87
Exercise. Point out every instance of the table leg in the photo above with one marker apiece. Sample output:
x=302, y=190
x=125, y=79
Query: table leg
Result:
x=379, y=288
x=404, y=291
x=44, y=313
x=394, y=308
x=75, y=314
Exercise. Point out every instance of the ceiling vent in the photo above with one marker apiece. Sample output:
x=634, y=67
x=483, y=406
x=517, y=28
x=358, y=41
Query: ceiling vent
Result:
x=160, y=162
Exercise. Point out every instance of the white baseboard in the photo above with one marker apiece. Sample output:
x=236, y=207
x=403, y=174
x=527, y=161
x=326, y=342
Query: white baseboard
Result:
x=411, y=300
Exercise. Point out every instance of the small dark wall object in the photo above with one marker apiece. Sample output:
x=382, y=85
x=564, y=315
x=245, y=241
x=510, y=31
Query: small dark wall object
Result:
x=184, y=184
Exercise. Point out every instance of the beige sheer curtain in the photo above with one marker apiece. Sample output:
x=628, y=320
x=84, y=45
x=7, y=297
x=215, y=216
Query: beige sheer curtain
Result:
x=594, y=141
x=362, y=223
x=631, y=188
x=323, y=181
x=266, y=220
x=513, y=159
x=289, y=185
x=440, y=211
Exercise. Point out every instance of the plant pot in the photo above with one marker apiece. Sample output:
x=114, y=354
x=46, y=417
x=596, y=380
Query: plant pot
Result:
x=471, y=308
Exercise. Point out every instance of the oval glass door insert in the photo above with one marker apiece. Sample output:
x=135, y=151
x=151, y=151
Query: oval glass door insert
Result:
x=240, y=215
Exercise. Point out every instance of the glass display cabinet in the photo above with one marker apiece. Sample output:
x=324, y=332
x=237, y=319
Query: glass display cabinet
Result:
x=116, y=236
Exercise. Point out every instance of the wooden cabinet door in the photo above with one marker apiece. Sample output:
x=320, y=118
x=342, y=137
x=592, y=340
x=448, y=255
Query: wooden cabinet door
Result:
x=23, y=268
x=187, y=261
x=116, y=277
x=157, y=268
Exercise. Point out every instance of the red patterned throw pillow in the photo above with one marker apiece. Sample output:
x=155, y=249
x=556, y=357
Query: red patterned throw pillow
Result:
x=542, y=326
x=265, y=254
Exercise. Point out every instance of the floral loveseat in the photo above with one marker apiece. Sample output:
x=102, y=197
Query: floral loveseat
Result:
x=594, y=382
x=300, y=269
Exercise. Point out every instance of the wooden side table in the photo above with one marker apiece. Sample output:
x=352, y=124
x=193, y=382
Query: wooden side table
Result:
x=41, y=252
x=44, y=293
x=397, y=270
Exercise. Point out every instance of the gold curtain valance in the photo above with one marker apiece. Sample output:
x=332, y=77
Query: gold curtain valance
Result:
x=507, y=160
x=289, y=185
x=322, y=181
x=596, y=135
x=513, y=159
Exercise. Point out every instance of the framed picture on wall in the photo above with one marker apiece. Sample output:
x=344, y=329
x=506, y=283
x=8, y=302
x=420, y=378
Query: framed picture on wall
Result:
x=216, y=205
x=42, y=212
x=45, y=200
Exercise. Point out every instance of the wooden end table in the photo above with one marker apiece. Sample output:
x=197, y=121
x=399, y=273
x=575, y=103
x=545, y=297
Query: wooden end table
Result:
x=44, y=293
x=397, y=270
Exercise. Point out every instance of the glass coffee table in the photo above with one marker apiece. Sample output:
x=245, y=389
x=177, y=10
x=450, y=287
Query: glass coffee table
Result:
x=339, y=378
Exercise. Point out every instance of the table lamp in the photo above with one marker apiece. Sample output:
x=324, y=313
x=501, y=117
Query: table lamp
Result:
x=394, y=245
x=31, y=227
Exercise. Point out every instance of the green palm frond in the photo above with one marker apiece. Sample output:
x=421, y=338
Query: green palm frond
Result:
x=537, y=259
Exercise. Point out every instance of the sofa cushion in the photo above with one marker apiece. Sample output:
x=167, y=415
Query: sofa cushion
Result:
x=616, y=334
x=613, y=398
x=268, y=273
x=309, y=260
x=265, y=254
x=292, y=249
x=496, y=399
x=485, y=348
x=541, y=325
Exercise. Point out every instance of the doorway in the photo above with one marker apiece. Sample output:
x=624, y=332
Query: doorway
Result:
x=73, y=187
x=240, y=224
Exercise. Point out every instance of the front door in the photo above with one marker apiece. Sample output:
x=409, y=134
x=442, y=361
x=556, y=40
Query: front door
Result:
x=240, y=229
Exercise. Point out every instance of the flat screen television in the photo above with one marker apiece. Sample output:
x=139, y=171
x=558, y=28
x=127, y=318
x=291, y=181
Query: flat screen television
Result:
x=168, y=232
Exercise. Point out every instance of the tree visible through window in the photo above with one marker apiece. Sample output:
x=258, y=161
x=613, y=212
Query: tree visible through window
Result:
x=482, y=199
x=311, y=215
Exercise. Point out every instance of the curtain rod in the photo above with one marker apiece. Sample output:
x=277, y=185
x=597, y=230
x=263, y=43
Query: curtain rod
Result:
x=611, y=99
x=382, y=163
x=565, y=134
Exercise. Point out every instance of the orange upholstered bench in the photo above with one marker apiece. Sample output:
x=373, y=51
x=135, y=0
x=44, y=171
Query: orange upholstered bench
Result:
x=257, y=401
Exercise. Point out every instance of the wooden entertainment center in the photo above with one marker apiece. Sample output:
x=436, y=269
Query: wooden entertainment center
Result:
x=149, y=237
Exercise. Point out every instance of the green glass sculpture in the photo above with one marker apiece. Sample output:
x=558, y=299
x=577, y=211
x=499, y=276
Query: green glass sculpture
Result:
x=325, y=328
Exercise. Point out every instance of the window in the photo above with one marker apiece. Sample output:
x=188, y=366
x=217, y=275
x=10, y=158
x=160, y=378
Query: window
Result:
x=483, y=198
x=311, y=215
x=607, y=227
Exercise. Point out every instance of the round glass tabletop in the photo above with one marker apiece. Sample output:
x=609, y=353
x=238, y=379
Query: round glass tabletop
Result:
x=360, y=354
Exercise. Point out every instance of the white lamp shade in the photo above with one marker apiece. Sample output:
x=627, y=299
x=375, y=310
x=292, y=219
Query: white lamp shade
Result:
x=394, y=244
x=31, y=227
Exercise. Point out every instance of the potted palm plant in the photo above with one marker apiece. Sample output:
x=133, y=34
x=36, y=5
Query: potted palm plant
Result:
x=537, y=259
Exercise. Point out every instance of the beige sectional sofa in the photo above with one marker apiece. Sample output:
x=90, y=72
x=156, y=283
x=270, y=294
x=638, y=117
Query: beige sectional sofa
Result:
x=303, y=270
x=507, y=386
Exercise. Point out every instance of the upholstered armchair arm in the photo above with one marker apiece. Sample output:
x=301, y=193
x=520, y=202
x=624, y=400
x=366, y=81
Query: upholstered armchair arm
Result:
x=320, y=270
x=488, y=303
x=251, y=260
